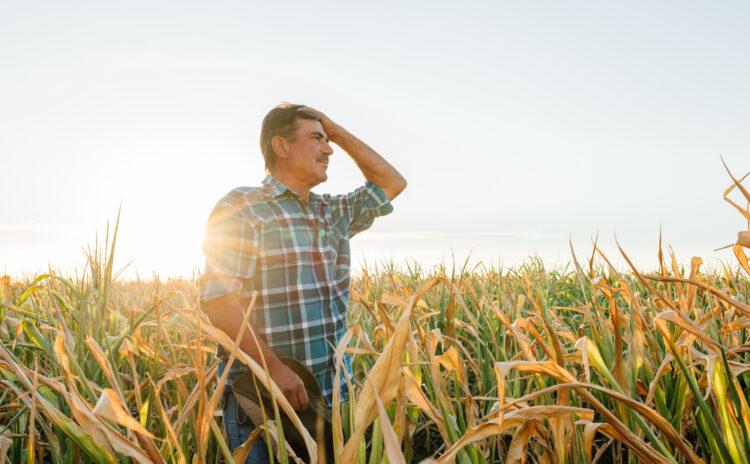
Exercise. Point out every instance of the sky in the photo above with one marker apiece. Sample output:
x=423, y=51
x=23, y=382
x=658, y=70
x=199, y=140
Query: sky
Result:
x=518, y=125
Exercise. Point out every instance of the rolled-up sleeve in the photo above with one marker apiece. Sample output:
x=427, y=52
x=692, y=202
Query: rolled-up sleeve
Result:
x=360, y=207
x=230, y=247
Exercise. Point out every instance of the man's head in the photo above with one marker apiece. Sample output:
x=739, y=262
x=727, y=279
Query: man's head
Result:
x=293, y=141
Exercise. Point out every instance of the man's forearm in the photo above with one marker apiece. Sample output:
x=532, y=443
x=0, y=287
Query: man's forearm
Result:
x=373, y=166
x=227, y=314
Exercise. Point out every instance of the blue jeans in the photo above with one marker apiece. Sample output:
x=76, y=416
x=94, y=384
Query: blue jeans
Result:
x=238, y=427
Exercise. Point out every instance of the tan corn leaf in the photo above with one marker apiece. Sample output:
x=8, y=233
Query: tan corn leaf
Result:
x=384, y=377
x=589, y=434
x=127, y=348
x=415, y=394
x=96, y=428
x=561, y=429
x=467, y=327
x=223, y=339
x=688, y=325
x=501, y=371
x=392, y=448
x=171, y=434
x=738, y=184
x=742, y=257
x=582, y=346
x=480, y=432
x=240, y=453
x=173, y=374
x=111, y=408
x=396, y=300
x=538, y=413
x=517, y=448
x=102, y=360
x=78, y=407
x=743, y=238
x=695, y=265
x=451, y=362
x=512, y=419
x=5, y=443
x=550, y=368
x=55, y=416
x=336, y=423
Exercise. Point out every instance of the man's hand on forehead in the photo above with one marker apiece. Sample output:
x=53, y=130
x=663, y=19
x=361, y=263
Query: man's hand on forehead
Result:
x=331, y=128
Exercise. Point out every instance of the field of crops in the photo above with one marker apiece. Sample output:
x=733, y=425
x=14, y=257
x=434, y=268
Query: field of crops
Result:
x=479, y=365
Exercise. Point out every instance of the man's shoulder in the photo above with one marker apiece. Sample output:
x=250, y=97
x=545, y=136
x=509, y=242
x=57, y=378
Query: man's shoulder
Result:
x=244, y=197
x=244, y=201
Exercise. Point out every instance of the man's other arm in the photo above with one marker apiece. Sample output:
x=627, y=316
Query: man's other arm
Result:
x=227, y=314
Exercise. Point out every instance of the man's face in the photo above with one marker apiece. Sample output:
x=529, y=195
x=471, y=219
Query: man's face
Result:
x=309, y=151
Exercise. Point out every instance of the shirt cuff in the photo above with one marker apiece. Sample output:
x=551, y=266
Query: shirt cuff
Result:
x=377, y=201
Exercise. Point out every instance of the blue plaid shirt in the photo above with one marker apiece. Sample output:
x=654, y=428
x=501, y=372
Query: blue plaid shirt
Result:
x=296, y=255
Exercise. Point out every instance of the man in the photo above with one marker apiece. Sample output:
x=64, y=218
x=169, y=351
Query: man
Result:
x=292, y=247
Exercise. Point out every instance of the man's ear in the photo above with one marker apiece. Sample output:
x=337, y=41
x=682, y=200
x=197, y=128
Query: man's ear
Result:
x=280, y=146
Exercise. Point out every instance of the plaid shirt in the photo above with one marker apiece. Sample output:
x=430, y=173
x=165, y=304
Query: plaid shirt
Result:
x=296, y=255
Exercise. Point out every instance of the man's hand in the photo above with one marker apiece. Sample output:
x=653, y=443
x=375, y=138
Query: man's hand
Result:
x=332, y=130
x=290, y=385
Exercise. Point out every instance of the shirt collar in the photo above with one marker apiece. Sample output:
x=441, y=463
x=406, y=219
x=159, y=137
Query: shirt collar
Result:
x=278, y=188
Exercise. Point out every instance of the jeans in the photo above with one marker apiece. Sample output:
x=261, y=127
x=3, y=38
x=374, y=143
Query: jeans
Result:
x=238, y=427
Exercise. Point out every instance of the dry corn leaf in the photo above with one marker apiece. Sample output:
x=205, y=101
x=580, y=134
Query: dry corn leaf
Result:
x=240, y=453
x=220, y=337
x=111, y=408
x=5, y=443
x=336, y=423
x=695, y=265
x=102, y=360
x=645, y=451
x=739, y=252
x=589, y=433
x=415, y=394
x=680, y=320
x=512, y=419
x=738, y=184
x=383, y=379
x=78, y=407
x=171, y=434
x=392, y=448
x=174, y=373
x=127, y=348
x=517, y=448
x=84, y=415
x=451, y=362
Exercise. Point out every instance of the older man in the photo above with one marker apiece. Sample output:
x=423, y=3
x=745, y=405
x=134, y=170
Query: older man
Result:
x=292, y=247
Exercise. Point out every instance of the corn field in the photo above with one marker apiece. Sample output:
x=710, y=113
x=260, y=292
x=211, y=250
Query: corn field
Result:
x=582, y=364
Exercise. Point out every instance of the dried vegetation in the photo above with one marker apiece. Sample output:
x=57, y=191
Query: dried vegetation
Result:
x=471, y=366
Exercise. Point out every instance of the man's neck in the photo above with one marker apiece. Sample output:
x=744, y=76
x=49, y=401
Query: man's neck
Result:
x=300, y=188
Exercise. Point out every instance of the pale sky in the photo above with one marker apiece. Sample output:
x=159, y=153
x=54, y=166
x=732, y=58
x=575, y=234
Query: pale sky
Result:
x=517, y=124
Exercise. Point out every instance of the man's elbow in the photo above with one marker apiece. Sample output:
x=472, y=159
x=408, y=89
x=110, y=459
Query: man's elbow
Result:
x=396, y=188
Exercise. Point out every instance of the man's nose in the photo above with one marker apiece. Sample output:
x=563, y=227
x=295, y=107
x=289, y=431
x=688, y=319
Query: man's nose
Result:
x=327, y=149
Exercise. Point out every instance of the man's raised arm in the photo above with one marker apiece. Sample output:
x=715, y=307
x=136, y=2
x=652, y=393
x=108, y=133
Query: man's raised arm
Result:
x=374, y=167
